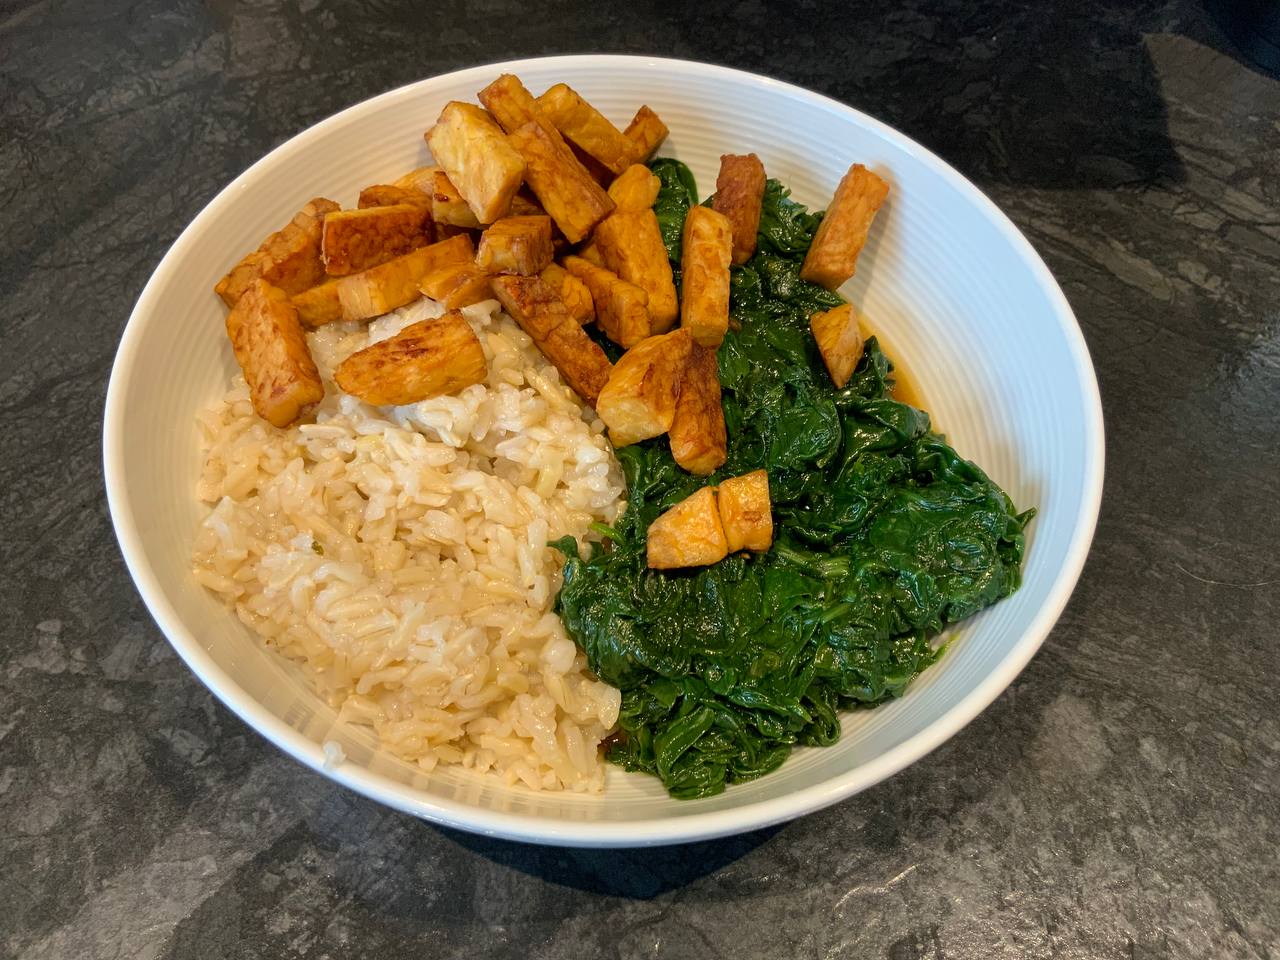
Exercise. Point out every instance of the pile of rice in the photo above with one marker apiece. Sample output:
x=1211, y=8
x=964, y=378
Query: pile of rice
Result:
x=399, y=554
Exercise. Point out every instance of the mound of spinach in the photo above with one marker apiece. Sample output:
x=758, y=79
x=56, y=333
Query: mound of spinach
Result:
x=882, y=535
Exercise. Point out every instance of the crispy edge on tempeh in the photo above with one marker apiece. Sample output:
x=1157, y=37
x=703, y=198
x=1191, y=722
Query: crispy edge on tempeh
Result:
x=520, y=245
x=839, y=339
x=739, y=194
x=745, y=511
x=288, y=259
x=689, y=534
x=473, y=151
x=833, y=255
x=562, y=185
x=271, y=348
x=631, y=245
x=704, y=276
x=639, y=401
x=699, y=442
x=534, y=306
x=425, y=359
x=572, y=292
x=636, y=188
x=393, y=284
x=621, y=307
x=587, y=128
x=355, y=240
x=647, y=131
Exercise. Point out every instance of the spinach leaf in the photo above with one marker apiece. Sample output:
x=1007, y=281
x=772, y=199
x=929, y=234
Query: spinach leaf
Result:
x=678, y=193
x=883, y=536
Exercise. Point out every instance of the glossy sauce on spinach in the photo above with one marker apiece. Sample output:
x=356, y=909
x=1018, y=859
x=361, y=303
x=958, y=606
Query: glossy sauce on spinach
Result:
x=883, y=535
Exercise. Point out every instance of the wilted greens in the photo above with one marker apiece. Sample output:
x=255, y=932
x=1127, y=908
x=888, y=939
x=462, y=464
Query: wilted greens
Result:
x=882, y=536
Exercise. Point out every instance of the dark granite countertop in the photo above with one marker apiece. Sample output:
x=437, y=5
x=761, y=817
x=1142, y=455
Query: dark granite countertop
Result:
x=1120, y=800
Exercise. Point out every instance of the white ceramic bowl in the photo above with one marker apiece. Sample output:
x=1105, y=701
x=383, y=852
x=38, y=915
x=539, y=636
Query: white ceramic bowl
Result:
x=953, y=289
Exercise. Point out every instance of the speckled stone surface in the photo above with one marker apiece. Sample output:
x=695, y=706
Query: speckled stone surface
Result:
x=1119, y=801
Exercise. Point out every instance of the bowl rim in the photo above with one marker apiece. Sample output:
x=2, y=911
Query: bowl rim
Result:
x=605, y=833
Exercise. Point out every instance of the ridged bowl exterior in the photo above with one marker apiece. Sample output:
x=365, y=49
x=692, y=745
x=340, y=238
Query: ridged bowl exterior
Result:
x=951, y=287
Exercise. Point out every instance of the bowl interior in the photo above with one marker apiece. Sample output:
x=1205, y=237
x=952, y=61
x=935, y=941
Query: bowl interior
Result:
x=947, y=283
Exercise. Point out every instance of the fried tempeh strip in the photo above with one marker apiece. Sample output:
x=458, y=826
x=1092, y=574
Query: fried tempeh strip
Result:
x=698, y=439
x=739, y=194
x=457, y=285
x=839, y=341
x=288, y=259
x=271, y=348
x=573, y=293
x=447, y=205
x=647, y=131
x=704, y=262
x=319, y=305
x=745, y=512
x=639, y=401
x=388, y=195
x=543, y=316
x=512, y=105
x=520, y=245
x=587, y=128
x=636, y=188
x=689, y=534
x=621, y=307
x=471, y=148
x=561, y=184
x=631, y=245
x=354, y=240
x=389, y=285
x=833, y=255
x=425, y=359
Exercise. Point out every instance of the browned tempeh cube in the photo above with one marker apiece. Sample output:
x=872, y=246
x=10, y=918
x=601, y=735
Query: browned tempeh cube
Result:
x=833, y=255
x=532, y=303
x=587, y=128
x=447, y=205
x=393, y=284
x=425, y=359
x=646, y=131
x=512, y=105
x=457, y=285
x=579, y=359
x=474, y=153
x=704, y=275
x=520, y=245
x=689, y=534
x=319, y=305
x=288, y=259
x=621, y=307
x=543, y=316
x=639, y=401
x=388, y=195
x=271, y=348
x=739, y=193
x=745, y=512
x=575, y=201
x=572, y=292
x=631, y=244
x=839, y=341
x=354, y=240
x=698, y=439
x=636, y=188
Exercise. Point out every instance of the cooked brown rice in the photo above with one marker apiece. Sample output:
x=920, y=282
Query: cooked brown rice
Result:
x=399, y=554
